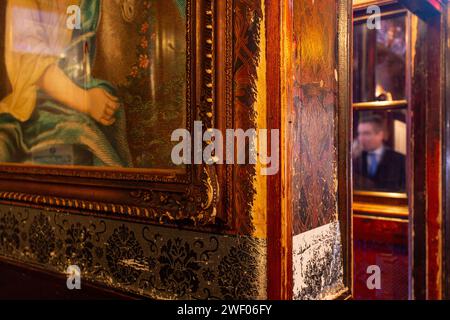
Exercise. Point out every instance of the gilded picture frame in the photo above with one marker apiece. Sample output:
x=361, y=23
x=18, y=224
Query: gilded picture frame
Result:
x=188, y=196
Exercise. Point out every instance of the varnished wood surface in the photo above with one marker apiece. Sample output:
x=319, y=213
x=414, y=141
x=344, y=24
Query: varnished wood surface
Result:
x=279, y=286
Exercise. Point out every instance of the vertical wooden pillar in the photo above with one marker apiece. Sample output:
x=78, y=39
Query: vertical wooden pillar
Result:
x=309, y=100
x=344, y=138
x=279, y=220
x=427, y=102
x=446, y=162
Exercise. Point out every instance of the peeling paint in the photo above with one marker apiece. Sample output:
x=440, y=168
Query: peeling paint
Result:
x=135, y=264
x=317, y=259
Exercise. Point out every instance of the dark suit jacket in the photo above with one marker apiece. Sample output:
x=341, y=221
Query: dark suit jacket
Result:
x=390, y=176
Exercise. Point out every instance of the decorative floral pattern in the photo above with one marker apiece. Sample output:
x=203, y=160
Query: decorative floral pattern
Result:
x=99, y=252
x=124, y=255
x=208, y=275
x=150, y=100
x=9, y=233
x=238, y=273
x=79, y=246
x=140, y=71
x=42, y=238
x=152, y=263
x=175, y=264
x=179, y=267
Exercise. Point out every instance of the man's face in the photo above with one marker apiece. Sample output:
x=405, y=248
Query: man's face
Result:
x=369, y=137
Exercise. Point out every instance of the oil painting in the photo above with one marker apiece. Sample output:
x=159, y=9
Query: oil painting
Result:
x=105, y=91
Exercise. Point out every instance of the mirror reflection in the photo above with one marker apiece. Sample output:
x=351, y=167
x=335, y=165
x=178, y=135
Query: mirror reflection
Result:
x=379, y=150
x=379, y=60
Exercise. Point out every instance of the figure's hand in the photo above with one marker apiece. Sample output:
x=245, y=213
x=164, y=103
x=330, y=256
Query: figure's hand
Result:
x=97, y=103
x=102, y=106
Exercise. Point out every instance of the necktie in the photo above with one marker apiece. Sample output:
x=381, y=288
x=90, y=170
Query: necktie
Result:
x=372, y=164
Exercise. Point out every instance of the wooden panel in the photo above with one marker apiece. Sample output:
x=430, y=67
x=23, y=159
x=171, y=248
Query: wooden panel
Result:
x=381, y=242
x=434, y=154
x=279, y=284
x=426, y=163
x=318, y=126
x=303, y=69
x=446, y=166
x=417, y=161
x=344, y=138
x=315, y=87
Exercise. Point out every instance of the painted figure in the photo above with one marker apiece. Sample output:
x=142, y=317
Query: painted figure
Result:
x=58, y=111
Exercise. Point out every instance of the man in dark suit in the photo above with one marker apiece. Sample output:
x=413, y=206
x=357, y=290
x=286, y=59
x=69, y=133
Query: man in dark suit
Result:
x=377, y=167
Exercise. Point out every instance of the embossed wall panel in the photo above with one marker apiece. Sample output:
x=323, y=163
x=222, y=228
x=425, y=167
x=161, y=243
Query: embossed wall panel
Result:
x=156, y=262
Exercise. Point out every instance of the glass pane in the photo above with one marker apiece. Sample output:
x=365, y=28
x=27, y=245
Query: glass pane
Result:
x=108, y=94
x=379, y=60
x=379, y=150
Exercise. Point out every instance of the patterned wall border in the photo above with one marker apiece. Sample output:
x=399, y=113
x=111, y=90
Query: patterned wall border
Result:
x=153, y=261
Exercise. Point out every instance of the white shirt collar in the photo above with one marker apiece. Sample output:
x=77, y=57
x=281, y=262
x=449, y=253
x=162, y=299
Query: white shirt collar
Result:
x=378, y=152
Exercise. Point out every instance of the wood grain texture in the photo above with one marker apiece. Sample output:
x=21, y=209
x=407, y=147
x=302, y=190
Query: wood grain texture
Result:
x=314, y=114
x=426, y=163
x=277, y=282
x=434, y=160
x=446, y=166
x=318, y=133
x=344, y=138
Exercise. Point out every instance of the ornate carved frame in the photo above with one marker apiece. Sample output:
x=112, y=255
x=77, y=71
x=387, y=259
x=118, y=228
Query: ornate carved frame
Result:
x=188, y=197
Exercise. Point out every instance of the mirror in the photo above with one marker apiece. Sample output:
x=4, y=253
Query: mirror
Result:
x=380, y=104
x=379, y=150
x=379, y=67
